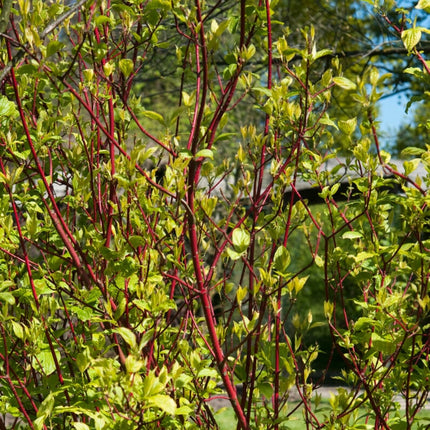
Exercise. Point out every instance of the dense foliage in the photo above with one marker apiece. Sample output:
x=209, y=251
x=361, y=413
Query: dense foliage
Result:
x=157, y=247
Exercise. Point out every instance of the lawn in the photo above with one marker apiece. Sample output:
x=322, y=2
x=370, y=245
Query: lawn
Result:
x=225, y=417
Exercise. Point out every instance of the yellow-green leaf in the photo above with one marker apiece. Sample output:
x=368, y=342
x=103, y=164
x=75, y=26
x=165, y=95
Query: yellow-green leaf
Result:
x=319, y=261
x=53, y=47
x=163, y=402
x=411, y=38
x=153, y=115
x=411, y=165
x=348, y=126
x=299, y=283
x=80, y=426
x=126, y=66
x=46, y=360
x=281, y=260
x=18, y=330
x=133, y=364
x=206, y=153
x=328, y=309
x=108, y=68
x=7, y=108
x=45, y=408
x=241, y=294
x=344, y=83
x=423, y=4
x=352, y=235
x=240, y=239
x=385, y=346
x=361, y=256
x=127, y=335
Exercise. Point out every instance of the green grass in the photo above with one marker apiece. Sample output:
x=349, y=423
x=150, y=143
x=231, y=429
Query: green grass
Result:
x=225, y=417
x=227, y=421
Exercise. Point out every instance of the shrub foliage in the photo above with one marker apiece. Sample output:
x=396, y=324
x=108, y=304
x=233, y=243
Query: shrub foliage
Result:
x=157, y=248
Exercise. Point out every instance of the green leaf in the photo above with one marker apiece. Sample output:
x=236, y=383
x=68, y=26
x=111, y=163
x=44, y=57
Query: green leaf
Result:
x=319, y=261
x=7, y=298
x=324, y=192
x=163, y=5
x=334, y=189
x=133, y=364
x=352, y=235
x=266, y=389
x=249, y=52
x=361, y=256
x=327, y=121
x=42, y=287
x=76, y=410
x=221, y=27
x=207, y=371
x=383, y=345
x=45, y=408
x=263, y=90
x=344, y=83
x=411, y=151
x=38, y=423
x=423, y=4
x=416, y=71
x=411, y=38
x=205, y=153
x=184, y=410
x=47, y=361
x=18, y=330
x=281, y=260
x=100, y=20
x=241, y=294
x=126, y=66
x=7, y=108
x=348, y=127
x=240, y=239
x=53, y=47
x=109, y=68
x=163, y=402
x=233, y=255
x=214, y=26
x=83, y=360
x=127, y=335
x=80, y=426
x=127, y=267
x=299, y=283
x=411, y=165
x=84, y=314
x=229, y=71
x=322, y=53
x=141, y=304
x=153, y=115
x=88, y=75
x=27, y=69
x=364, y=323
x=136, y=241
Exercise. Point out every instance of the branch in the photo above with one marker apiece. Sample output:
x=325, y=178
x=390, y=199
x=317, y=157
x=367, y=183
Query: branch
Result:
x=61, y=18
